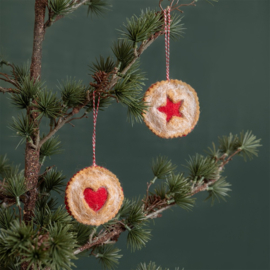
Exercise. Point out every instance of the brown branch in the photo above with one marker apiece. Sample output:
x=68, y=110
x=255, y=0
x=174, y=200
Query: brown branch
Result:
x=104, y=238
x=101, y=86
x=8, y=90
x=147, y=194
x=202, y=187
x=154, y=210
x=54, y=18
x=156, y=213
x=8, y=79
x=80, y=3
x=32, y=145
x=39, y=32
x=205, y=185
x=176, y=6
x=229, y=158
x=116, y=232
x=14, y=74
x=9, y=201
x=62, y=121
x=32, y=165
x=144, y=45
x=137, y=53
x=5, y=75
x=77, y=118
x=114, y=80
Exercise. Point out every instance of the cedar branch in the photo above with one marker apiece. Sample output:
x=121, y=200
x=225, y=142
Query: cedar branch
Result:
x=7, y=78
x=8, y=90
x=229, y=158
x=53, y=17
x=114, y=80
x=176, y=6
x=62, y=121
x=150, y=213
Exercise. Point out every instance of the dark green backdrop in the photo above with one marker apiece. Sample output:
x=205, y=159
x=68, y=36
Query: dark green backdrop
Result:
x=225, y=57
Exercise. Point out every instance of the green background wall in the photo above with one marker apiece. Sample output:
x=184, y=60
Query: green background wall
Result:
x=224, y=55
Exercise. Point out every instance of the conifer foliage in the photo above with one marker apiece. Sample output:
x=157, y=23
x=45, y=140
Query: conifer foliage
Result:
x=48, y=237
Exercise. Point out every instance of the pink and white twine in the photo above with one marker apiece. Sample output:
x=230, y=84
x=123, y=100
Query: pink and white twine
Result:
x=167, y=24
x=95, y=114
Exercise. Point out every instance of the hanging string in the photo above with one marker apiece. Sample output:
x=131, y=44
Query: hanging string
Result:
x=95, y=114
x=167, y=24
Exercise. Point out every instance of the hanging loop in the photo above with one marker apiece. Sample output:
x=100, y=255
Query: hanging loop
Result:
x=95, y=114
x=167, y=24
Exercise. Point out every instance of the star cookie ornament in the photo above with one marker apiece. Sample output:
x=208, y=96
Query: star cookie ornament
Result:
x=94, y=194
x=173, y=105
x=173, y=108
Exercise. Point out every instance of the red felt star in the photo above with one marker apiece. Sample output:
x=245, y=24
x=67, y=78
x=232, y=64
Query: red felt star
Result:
x=171, y=109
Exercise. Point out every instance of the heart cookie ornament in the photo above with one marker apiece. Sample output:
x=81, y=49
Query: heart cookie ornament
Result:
x=94, y=195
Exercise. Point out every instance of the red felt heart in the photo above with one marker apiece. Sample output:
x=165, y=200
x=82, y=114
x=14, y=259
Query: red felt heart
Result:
x=95, y=199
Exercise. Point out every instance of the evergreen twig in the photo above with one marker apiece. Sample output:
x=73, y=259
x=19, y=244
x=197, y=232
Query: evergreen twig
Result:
x=8, y=90
x=59, y=8
x=179, y=192
x=137, y=53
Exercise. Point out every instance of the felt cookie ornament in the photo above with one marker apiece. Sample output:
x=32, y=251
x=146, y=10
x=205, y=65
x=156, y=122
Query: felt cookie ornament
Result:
x=94, y=194
x=173, y=105
x=173, y=108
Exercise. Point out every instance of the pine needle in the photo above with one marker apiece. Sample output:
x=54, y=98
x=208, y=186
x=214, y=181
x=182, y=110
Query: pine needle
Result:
x=97, y=7
x=137, y=237
x=248, y=144
x=108, y=256
x=162, y=166
x=4, y=166
x=73, y=93
x=23, y=128
x=219, y=190
x=201, y=167
x=6, y=218
x=50, y=147
x=47, y=104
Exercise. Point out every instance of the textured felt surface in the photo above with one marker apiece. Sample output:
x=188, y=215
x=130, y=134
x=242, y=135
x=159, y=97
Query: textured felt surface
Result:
x=171, y=109
x=95, y=199
x=93, y=195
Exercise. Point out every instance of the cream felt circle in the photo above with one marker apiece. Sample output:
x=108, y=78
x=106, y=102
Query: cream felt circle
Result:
x=173, y=108
x=94, y=195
